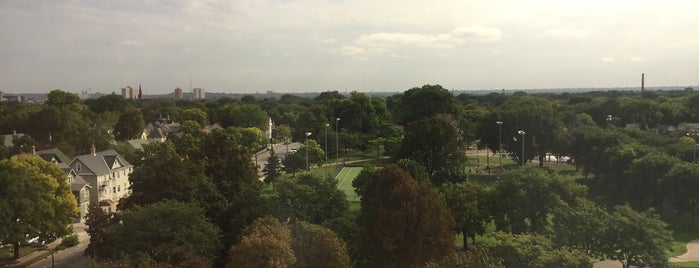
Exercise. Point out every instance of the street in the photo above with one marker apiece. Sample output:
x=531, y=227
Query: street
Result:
x=70, y=257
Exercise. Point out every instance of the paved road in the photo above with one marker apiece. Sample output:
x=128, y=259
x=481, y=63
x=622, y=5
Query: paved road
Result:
x=70, y=257
x=279, y=149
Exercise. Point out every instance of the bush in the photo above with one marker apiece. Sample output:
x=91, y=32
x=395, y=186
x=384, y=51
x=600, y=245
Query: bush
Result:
x=70, y=241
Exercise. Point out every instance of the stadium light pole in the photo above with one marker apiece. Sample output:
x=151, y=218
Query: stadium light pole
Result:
x=306, y=145
x=499, y=144
x=337, y=142
x=521, y=132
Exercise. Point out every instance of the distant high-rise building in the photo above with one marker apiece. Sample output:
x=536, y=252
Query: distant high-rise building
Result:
x=199, y=93
x=84, y=95
x=129, y=92
x=178, y=93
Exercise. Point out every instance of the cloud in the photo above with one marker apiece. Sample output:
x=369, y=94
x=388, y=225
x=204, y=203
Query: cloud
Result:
x=376, y=43
x=570, y=33
x=636, y=59
x=608, y=59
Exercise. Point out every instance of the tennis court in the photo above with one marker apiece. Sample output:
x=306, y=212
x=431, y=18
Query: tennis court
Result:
x=345, y=178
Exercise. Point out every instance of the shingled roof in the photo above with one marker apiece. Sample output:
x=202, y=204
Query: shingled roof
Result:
x=102, y=162
x=53, y=154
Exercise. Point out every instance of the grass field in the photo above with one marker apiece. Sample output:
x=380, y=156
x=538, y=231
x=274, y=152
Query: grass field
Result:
x=345, y=178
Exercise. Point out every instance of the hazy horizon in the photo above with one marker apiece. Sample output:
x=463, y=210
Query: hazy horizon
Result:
x=251, y=46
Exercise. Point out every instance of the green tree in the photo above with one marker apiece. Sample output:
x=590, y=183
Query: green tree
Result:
x=35, y=200
x=162, y=230
x=646, y=177
x=274, y=169
x=130, y=125
x=293, y=163
x=98, y=221
x=582, y=226
x=106, y=103
x=246, y=115
x=62, y=99
x=536, y=251
x=465, y=202
x=283, y=133
x=196, y=115
x=637, y=239
x=266, y=243
x=683, y=182
x=310, y=198
x=403, y=223
x=317, y=246
x=433, y=143
x=161, y=174
x=424, y=102
x=524, y=198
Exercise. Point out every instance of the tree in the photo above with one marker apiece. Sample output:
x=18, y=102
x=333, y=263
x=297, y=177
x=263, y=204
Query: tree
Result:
x=274, y=170
x=538, y=118
x=465, y=202
x=683, y=182
x=310, y=198
x=582, y=226
x=162, y=230
x=98, y=221
x=638, y=239
x=433, y=143
x=424, y=102
x=646, y=177
x=35, y=200
x=536, y=251
x=130, y=125
x=524, y=198
x=317, y=246
x=246, y=115
x=403, y=223
x=294, y=162
x=161, y=174
x=266, y=243
x=106, y=103
x=62, y=99
x=196, y=115
x=283, y=132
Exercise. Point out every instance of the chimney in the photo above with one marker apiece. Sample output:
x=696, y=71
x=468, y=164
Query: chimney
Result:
x=643, y=81
x=14, y=132
x=93, y=150
x=33, y=150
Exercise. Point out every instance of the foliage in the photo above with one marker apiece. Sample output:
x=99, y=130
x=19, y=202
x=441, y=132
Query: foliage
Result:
x=274, y=169
x=35, y=200
x=536, y=251
x=424, y=102
x=433, y=143
x=523, y=199
x=480, y=257
x=266, y=243
x=310, y=198
x=639, y=239
x=682, y=181
x=69, y=241
x=164, y=230
x=582, y=225
x=130, y=125
x=160, y=174
x=317, y=246
x=465, y=200
x=98, y=221
x=402, y=222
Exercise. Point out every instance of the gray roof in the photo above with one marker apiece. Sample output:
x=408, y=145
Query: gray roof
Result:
x=7, y=139
x=53, y=153
x=78, y=184
x=138, y=143
x=102, y=162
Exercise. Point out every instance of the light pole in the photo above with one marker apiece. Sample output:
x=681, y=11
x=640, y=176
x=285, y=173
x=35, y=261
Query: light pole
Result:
x=499, y=145
x=326, y=146
x=521, y=132
x=306, y=145
x=337, y=142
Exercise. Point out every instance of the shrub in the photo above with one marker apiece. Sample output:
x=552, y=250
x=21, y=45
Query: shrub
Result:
x=70, y=241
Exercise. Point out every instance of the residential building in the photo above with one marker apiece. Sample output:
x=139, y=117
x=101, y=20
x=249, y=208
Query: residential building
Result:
x=179, y=93
x=79, y=187
x=108, y=172
x=199, y=93
x=160, y=129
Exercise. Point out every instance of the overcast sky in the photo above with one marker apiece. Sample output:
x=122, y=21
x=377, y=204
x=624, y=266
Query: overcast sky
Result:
x=252, y=46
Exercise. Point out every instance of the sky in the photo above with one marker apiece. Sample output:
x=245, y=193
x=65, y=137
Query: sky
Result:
x=248, y=46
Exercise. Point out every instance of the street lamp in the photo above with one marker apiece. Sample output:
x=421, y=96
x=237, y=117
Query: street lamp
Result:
x=337, y=142
x=307, y=134
x=521, y=132
x=499, y=143
x=326, y=146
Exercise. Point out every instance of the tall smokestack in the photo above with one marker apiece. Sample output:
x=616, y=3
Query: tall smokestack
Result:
x=643, y=81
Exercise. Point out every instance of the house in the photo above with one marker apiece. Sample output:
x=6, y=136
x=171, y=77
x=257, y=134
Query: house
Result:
x=108, y=172
x=79, y=187
x=160, y=129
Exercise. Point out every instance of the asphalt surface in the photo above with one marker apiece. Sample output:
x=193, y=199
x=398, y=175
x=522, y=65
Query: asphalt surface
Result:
x=69, y=257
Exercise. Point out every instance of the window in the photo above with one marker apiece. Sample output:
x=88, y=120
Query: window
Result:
x=113, y=190
x=78, y=166
x=119, y=188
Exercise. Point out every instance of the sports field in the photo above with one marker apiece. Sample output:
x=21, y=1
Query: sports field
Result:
x=345, y=178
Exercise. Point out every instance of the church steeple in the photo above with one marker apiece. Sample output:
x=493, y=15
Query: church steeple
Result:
x=140, y=93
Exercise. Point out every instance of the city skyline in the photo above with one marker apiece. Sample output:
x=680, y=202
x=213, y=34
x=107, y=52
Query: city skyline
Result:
x=312, y=46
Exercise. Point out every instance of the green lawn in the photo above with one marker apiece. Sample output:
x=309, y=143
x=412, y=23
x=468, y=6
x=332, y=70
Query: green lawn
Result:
x=345, y=178
x=685, y=264
x=6, y=253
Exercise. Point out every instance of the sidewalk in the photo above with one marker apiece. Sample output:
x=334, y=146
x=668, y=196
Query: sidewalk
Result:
x=45, y=251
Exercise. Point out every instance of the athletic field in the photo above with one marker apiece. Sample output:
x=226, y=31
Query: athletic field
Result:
x=345, y=178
